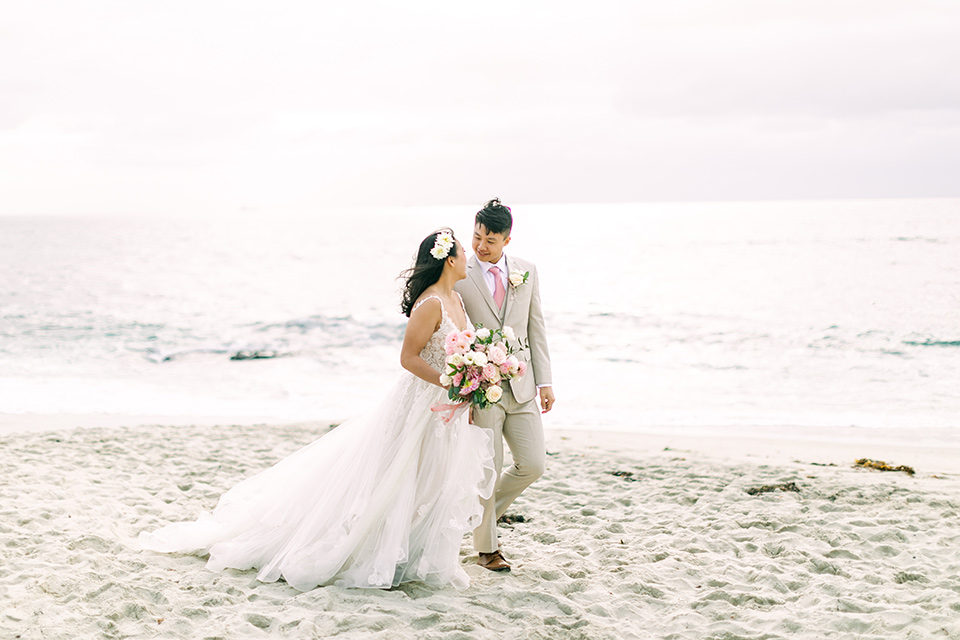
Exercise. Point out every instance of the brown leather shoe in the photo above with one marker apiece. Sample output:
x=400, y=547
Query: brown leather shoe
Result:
x=493, y=561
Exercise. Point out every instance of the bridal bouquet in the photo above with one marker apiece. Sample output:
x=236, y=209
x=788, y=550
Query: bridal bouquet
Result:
x=478, y=363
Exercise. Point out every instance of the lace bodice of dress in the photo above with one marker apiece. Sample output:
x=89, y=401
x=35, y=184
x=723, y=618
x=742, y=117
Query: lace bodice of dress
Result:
x=433, y=353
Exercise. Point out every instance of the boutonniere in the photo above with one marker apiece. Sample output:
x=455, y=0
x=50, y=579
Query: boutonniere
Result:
x=518, y=278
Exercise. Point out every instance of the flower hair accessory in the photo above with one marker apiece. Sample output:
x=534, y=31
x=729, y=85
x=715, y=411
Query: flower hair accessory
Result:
x=442, y=245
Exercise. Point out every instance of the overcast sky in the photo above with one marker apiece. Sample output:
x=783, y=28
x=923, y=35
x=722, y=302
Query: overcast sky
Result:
x=137, y=107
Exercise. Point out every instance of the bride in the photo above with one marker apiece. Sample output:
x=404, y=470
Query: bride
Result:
x=383, y=499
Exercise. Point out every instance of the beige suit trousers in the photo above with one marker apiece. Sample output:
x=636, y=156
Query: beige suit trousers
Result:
x=520, y=425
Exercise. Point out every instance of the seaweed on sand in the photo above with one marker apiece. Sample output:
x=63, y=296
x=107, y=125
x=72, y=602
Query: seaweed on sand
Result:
x=879, y=465
x=626, y=475
x=767, y=488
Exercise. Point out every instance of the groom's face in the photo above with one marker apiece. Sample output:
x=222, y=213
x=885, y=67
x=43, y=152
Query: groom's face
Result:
x=488, y=246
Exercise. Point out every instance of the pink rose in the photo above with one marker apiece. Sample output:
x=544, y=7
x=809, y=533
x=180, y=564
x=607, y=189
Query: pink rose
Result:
x=457, y=379
x=496, y=355
x=491, y=373
x=505, y=368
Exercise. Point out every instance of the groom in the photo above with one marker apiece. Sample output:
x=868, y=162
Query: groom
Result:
x=500, y=291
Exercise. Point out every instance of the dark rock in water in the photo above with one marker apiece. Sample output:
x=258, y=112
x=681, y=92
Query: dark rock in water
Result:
x=254, y=355
x=767, y=488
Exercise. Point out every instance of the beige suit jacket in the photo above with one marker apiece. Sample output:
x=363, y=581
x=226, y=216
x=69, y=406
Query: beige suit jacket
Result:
x=521, y=310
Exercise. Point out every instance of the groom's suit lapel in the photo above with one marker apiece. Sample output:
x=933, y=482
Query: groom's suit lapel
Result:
x=510, y=294
x=476, y=276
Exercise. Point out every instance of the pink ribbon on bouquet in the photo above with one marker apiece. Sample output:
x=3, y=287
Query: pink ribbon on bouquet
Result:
x=453, y=410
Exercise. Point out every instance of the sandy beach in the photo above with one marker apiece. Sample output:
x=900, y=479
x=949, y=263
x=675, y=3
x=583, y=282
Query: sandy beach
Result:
x=652, y=535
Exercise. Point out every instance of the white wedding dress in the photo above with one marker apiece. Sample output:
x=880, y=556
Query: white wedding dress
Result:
x=384, y=498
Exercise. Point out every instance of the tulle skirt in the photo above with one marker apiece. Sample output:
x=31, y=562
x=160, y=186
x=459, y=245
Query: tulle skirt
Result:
x=384, y=498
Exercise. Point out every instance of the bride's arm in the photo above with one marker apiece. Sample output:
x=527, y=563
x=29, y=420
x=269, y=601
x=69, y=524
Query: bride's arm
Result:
x=424, y=320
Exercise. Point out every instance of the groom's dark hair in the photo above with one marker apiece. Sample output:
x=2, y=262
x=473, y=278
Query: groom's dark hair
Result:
x=496, y=217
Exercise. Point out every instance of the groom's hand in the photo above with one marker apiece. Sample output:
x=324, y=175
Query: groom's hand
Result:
x=546, y=398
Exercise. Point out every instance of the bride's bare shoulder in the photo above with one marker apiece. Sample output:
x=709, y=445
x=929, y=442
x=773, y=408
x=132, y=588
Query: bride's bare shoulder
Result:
x=427, y=312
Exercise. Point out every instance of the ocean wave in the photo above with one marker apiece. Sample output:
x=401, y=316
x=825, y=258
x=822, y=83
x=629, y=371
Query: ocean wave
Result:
x=313, y=336
x=917, y=239
x=159, y=355
x=336, y=331
x=889, y=343
x=933, y=343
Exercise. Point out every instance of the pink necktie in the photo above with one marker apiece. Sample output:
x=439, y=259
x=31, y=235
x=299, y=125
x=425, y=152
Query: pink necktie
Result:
x=498, y=291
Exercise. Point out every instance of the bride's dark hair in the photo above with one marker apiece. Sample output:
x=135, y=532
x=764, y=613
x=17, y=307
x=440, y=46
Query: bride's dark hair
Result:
x=425, y=271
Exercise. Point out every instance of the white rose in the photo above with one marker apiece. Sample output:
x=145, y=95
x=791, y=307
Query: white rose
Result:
x=455, y=360
x=514, y=363
x=509, y=334
x=479, y=359
x=445, y=380
x=483, y=333
x=494, y=393
x=516, y=278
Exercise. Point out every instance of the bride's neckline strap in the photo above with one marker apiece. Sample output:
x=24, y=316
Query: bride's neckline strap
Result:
x=443, y=309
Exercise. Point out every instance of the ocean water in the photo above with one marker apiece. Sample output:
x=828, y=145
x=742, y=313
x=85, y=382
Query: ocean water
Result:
x=811, y=314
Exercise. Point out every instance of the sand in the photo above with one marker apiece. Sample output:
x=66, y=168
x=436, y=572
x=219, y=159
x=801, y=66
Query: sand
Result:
x=626, y=536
